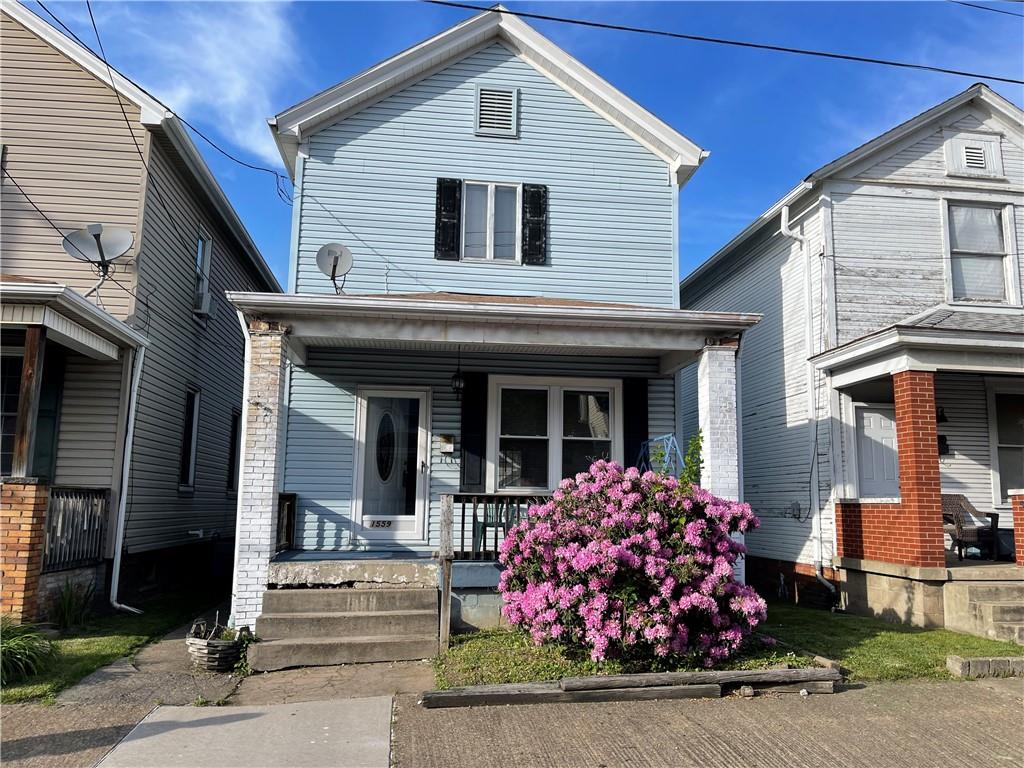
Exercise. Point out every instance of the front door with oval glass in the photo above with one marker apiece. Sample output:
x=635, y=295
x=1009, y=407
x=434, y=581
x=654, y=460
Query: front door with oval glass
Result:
x=392, y=469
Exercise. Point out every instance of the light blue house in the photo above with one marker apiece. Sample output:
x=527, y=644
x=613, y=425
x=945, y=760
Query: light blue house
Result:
x=510, y=315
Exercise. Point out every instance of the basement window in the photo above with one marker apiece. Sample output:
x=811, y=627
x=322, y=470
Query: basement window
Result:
x=497, y=111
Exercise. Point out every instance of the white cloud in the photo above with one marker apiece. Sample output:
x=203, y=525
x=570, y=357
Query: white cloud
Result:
x=219, y=65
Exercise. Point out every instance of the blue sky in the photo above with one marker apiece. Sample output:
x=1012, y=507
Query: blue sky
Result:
x=768, y=119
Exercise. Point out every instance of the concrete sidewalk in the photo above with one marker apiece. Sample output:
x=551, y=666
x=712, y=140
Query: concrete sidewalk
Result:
x=897, y=725
x=347, y=733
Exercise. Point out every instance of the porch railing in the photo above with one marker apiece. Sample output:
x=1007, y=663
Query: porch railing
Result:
x=76, y=526
x=285, y=521
x=482, y=520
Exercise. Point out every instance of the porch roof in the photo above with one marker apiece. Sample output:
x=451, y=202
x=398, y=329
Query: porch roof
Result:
x=944, y=337
x=70, y=319
x=493, y=323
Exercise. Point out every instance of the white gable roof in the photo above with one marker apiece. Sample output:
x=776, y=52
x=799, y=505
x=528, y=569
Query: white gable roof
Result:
x=154, y=115
x=1006, y=110
x=296, y=123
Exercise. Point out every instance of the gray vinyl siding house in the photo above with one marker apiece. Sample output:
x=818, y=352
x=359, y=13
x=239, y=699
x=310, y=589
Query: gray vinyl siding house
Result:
x=870, y=255
x=70, y=152
x=510, y=315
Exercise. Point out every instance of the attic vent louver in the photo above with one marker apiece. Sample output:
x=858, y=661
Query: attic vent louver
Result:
x=497, y=111
x=974, y=156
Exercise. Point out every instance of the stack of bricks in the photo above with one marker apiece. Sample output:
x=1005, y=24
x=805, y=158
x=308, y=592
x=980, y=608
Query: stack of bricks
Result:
x=257, y=519
x=1017, y=502
x=22, y=531
x=908, y=532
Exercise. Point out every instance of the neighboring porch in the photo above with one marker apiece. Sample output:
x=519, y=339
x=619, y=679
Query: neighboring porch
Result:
x=65, y=368
x=370, y=415
x=931, y=422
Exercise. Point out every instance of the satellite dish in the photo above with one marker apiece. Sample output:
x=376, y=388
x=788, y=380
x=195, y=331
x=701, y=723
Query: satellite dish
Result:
x=334, y=260
x=98, y=244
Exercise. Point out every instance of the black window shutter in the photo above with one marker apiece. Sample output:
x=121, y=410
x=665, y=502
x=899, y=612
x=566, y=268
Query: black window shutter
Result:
x=634, y=419
x=447, y=219
x=473, y=435
x=535, y=224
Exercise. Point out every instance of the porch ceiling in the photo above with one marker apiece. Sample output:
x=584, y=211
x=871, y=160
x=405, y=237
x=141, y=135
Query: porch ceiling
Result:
x=522, y=324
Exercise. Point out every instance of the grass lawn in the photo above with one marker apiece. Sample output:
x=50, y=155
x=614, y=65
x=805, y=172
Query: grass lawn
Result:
x=105, y=639
x=872, y=649
x=509, y=656
x=869, y=649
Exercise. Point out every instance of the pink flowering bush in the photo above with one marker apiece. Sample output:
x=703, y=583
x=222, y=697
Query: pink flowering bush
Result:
x=632, y=567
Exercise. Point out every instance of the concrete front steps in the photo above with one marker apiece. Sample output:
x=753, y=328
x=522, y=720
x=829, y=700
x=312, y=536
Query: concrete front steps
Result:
x=998, y=610
x=327, y=613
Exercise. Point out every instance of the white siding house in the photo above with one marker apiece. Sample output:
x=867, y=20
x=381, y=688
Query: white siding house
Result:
x=901, y=256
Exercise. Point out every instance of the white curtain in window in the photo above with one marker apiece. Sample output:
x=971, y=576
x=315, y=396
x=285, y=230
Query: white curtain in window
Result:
x=975, y=229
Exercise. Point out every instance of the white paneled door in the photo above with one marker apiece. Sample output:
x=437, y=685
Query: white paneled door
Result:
x=877, y=463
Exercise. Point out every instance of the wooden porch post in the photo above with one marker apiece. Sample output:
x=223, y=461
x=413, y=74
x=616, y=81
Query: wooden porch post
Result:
x=28, y=401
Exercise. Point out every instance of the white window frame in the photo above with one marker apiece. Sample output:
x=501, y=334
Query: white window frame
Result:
x=1011, y=282
x=994, y=387
x=953, y=148
x=191, y=484
x=489, y=258
x=201, y=298
x=554, y=387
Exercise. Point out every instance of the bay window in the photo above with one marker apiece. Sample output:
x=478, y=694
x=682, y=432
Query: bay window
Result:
x=543, y=430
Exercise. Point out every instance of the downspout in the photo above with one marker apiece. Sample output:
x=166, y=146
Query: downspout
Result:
x=138, y=358
x=812, y=492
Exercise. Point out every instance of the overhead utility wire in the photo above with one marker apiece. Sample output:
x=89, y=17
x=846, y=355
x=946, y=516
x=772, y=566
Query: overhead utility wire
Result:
x=281, y=181
x=724, y=41
x=986, y=8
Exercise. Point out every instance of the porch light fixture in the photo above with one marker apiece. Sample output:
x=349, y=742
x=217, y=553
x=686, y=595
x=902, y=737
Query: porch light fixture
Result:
x=940, y=416
x=458, y=382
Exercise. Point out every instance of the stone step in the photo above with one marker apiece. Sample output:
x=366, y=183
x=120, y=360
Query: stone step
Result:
x=317, y=651
x=348, y=600
x=341, y=625
x=996, y=592
x=1010, y=631
x=989, y=612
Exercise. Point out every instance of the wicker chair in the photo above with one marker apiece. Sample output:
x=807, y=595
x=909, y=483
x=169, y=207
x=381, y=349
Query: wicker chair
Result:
x=967, y=527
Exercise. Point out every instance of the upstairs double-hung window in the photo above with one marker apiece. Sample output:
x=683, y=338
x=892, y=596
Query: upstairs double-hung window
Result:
x=490, y=221
x=977, y=253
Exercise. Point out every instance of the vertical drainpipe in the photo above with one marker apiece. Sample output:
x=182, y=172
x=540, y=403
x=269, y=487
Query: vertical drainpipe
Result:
x=813, y=491
x=138, y=358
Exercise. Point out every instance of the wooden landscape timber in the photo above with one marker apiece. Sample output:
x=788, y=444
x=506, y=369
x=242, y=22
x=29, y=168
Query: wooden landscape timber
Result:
x=640, y=687
x=720, y=677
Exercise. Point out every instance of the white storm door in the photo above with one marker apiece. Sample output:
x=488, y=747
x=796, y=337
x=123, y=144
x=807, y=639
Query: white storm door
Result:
x=392, y=469
x=878, y=471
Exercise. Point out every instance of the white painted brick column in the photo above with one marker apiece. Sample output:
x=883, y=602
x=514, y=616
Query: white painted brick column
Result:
x=256, y=532
x=717, y=419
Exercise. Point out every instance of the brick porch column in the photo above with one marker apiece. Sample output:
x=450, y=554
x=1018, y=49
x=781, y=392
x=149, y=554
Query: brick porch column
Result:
x=1017, y=502
x=716, y=417
x=919, y=537
x=256, y=531
x=22, y=531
